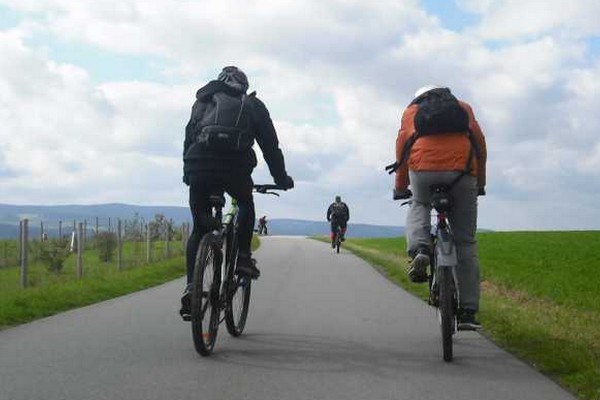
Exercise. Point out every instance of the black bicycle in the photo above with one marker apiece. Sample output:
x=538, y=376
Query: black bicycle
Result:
x=443, y=288
x=442, y=277
x=337, y=241
x=218, y=294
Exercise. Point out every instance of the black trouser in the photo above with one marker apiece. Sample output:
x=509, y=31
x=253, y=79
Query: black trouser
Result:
x=238, y=187
x=335, y=222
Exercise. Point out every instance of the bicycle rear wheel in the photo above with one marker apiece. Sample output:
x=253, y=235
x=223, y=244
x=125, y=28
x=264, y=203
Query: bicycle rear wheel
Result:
x=205, y=295
x=446, y=310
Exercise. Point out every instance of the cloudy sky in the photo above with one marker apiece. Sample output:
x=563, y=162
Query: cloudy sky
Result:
x=94, y=97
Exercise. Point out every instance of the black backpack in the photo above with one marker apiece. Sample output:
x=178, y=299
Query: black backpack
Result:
x=224, y=125
x=339, y=210
x=439, y=112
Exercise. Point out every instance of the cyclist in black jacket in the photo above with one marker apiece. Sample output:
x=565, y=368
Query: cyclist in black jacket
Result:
x=217, y=151
x=338, y=214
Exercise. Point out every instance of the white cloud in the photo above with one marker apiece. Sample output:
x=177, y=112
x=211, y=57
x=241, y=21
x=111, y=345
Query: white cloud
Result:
x=516, y=19
x=335, y=76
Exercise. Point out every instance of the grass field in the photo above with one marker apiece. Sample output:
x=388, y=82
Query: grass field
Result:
x=540, y=298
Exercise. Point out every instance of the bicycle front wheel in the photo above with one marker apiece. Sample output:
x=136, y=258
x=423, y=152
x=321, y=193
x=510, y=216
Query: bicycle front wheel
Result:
x=239, y=288
x=446, y=310
x=236, y=312
x=205, y=295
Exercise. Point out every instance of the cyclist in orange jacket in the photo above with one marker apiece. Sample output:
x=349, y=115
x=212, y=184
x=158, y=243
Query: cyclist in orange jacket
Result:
x=423, y=159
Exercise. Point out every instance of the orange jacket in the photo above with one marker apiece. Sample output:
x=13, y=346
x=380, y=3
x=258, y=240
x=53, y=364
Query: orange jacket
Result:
x=444, y=152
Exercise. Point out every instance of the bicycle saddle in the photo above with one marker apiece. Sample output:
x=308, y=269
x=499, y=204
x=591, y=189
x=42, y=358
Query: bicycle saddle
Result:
x=216, y=200
x=441, y=199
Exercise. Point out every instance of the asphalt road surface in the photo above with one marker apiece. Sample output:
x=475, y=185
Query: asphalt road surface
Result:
x=321, y=326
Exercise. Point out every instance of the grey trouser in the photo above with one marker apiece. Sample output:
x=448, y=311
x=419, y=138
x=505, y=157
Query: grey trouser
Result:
x=463, y=221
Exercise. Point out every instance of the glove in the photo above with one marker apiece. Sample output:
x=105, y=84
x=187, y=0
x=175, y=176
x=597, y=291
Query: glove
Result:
x=481, y=191
x=186, y=180
x=286, y=182
x=401, y=195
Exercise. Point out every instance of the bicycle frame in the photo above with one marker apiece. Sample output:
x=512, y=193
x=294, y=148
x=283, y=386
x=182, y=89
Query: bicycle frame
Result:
x=227, y=266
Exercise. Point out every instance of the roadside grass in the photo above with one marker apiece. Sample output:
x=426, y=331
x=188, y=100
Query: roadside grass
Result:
x=61, y=294
x=50, y=293
x=540, y=297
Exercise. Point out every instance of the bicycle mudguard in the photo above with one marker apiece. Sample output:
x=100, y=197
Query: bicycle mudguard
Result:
x=446, y=250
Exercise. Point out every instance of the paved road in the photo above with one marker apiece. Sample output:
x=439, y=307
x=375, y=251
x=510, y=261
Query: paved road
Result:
x=321, y=326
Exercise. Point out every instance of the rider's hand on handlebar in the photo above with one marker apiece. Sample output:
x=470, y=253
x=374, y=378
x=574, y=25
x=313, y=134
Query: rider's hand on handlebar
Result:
x=403, y=194
x=286, y=182
x=481, y=191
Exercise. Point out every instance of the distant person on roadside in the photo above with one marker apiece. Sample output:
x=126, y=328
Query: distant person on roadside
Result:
x=440, y=141
x=217, y=153
x=262, y=225
x=338, y=214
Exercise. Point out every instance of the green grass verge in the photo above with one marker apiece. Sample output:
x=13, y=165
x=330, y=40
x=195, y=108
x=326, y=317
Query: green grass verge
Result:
x=17, y=307
x=51, y=293
x=539, y=298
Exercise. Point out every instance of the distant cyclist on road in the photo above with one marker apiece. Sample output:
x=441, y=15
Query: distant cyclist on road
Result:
x=451, y=150
x=338, y=214
x=217, y=151
x=262, y=225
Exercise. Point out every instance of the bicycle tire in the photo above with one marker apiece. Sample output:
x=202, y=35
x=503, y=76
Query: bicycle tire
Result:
x=239, y=289
x=446, y=310
x=205, y=295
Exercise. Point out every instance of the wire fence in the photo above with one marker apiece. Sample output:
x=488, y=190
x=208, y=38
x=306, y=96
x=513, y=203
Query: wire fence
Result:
x=48, y=251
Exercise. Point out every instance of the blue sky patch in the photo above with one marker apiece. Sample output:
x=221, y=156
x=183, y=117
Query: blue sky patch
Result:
x=8, y=18
x=103, y=66
x=594, y=46
x=451, y=16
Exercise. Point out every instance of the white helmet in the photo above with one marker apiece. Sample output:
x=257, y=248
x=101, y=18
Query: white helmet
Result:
x=422, y=90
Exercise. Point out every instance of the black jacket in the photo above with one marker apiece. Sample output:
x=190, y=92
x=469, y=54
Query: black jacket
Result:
x=197, y=161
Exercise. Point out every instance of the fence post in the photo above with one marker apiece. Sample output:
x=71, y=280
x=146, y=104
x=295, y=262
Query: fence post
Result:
x=60, y=231
x=168, y=240
x=84, y=232
x=119, y=246
x=148, y=243
x=24, y=234
x=41, y=231
x=96, y=226
x=109, y=225
x=79, y=250
x=19, y=245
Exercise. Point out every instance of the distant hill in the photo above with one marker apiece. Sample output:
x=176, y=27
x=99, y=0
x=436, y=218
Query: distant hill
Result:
x=298, y=227
x=10, y=215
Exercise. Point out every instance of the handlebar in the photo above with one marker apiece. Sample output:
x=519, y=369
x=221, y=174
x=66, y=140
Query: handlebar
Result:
x=267, y=189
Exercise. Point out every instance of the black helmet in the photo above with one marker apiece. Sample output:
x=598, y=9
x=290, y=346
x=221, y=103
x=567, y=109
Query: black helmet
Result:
x=234, y=77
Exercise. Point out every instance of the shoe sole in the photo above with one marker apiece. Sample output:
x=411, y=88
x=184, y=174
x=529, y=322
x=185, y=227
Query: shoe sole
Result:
x=465, y=326
x=417, y=272
x=247, y=274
